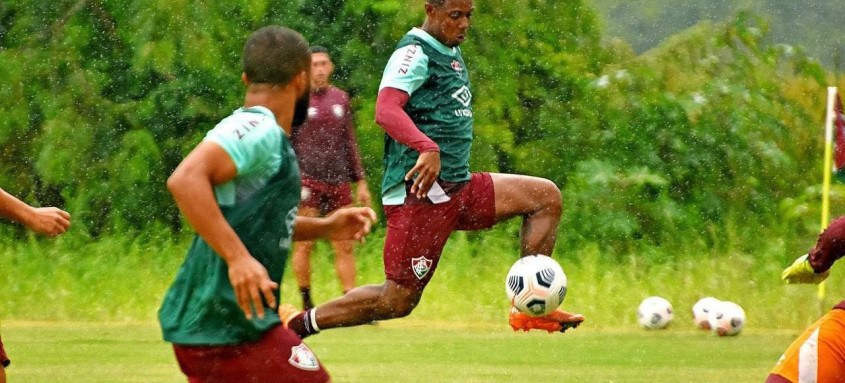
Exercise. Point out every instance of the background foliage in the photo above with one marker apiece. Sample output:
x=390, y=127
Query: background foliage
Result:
x=706, y=145
x=810, y=25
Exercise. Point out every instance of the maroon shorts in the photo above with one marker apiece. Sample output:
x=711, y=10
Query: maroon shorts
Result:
x=279, y=356
x=325, y=197
x=4, y=360
x=418, y=230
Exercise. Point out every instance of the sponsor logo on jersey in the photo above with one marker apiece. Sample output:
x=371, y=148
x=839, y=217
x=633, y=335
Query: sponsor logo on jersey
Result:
x=421, y=266
x=302, y=358
x=463, y=95
x=337, y=110
x=456, y=65
x=410, y=52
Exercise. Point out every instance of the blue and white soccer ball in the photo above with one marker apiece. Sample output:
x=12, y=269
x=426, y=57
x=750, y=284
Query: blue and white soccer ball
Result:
x=726, y=318
x=655, y=313
x=701, y=312
x=536, y=285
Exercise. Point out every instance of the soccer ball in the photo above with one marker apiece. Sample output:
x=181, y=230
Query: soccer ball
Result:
x=701, y=312
x=654, y=313
x=726, y=318
x=536, y=285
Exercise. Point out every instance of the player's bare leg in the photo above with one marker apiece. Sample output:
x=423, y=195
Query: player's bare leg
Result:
x=538, y=201
x=344, y=262
x=361, y=305
x=301, y=261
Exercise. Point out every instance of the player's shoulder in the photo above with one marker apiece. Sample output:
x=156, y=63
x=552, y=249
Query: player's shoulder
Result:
x=247, y=125
x=339, y=93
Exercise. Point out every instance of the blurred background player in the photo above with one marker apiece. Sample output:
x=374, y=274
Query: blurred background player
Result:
x=240, y=189
x=329, y=162
x=818, y=354
x=50, y=221
x=424, y=106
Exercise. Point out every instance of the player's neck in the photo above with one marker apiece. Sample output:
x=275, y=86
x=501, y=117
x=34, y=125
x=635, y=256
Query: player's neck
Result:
x=279, y=100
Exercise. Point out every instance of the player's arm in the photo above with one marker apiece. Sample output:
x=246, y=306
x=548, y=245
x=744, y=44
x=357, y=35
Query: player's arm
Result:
x=391, y=116
x=356, y=168
x=407, y=71
x=45, y=220
x=347, y=223
x=814, y=266
x=191, y=185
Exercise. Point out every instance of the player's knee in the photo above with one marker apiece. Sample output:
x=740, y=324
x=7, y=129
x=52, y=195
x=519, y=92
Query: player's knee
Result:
x=400, y=303
x=404, y=307
x=551, y=196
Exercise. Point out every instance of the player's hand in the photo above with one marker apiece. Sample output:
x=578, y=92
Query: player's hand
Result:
x=251, y=282
x=801, y=272
x=351, y=223
x=424, y=173
x=48, y=221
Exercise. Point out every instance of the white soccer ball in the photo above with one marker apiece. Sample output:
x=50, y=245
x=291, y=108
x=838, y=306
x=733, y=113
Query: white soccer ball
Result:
x=536, y=285
x=726, y=319
x=701, y=312
x=654, y=313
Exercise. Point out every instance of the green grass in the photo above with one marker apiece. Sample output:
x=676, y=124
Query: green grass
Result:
x=77, y=310
x=70, y=279
x=410, y=350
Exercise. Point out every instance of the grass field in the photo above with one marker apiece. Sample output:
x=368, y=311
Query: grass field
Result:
x=407, y=350
x=84, y=311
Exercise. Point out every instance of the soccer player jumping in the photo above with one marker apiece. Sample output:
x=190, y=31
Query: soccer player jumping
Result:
x=425, y=107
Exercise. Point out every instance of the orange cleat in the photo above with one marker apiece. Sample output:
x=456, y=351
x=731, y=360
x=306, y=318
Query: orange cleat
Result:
x=287, y=312
x=556, y=321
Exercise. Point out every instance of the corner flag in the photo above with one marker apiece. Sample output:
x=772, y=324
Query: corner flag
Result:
x=833, y=119
x=839, y=138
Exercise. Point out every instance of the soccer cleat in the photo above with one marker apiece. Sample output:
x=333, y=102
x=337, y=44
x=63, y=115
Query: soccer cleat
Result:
x=556, y=321
x=287, y=312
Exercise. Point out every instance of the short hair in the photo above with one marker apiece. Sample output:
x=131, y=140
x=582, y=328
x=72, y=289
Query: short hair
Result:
x=436, y=3
x=319, y=49
x=274, y=55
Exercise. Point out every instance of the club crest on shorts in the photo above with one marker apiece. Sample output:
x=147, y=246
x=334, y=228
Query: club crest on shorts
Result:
x=421, y=266
x=301, y=357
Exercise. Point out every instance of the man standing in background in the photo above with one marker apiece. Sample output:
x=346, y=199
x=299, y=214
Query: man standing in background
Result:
x=50, y=221
x=329, y=161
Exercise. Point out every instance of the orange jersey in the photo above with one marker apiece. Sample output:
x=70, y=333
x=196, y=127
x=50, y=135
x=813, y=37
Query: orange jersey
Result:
x=818, y=355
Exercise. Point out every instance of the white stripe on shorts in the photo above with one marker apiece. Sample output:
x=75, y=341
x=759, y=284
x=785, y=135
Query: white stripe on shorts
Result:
x=808, y=359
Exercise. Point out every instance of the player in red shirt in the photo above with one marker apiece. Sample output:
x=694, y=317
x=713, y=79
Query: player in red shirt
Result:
x=49, y=221
x=817, y=355
x=329, y=161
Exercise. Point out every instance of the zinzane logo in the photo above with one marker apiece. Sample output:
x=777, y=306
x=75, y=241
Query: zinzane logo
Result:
x=421, y=266
x=405, y=64
x=463, y=95
x=302, y=358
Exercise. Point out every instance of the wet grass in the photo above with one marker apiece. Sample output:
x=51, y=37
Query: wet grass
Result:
x=69, y=279
x=78, y=310
x=410, y=350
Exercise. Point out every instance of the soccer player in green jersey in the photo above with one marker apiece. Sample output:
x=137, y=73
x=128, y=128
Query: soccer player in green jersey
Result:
x=240, y=189
x=425, y=106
